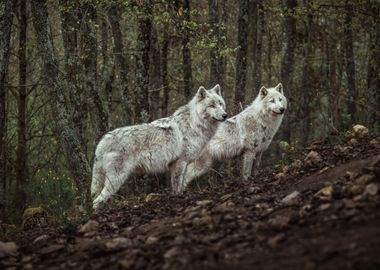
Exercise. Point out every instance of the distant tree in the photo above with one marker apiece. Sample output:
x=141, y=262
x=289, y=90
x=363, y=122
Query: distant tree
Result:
x=186, y=52
x=141, y=88
x=350, y=61
x=241, y=58
x=7, y=9
x=287, y=62
x=64, y=129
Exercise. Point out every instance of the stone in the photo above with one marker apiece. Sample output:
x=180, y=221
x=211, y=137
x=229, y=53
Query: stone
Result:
x=325, y=194
x=364, y=179
x=40, y=239
x=353, y=142
x=152, y=197
x=204, y=202
x=89, y=226
x=8, y=249
x=118, y=243
x=371, y=189
x=313, y=158
x=360, y=131
x=290, y=198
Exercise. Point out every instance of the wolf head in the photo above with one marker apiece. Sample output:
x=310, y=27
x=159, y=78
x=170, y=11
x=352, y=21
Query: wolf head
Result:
x=273, y=100
x=210, y=105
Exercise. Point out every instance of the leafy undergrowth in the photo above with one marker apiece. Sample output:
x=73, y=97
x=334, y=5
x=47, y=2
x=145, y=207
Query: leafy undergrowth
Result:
x=321, y=211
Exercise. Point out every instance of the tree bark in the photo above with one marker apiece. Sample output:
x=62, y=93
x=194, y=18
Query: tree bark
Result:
x=350, y=62
x=7, y=8
x=257, y=71
x=164, y=74
x=186, y=53
x=141, y=90
x=154, y=76
x=241, y=59
x=114, y=17
x=64, y=129
x=89, y=59
x=20, y=164
x=287, y=62
x=306, y=82
x=373, y=76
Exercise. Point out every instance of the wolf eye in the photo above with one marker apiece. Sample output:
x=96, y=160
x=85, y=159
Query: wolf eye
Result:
x=280, y=99
x=212, y=106
x=272, y=100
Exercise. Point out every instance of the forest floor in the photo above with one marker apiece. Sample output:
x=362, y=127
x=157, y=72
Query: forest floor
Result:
x=320, y=212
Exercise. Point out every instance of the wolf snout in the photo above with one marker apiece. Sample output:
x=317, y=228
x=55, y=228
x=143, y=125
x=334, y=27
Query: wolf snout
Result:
x=225, y=116
x=282, y=110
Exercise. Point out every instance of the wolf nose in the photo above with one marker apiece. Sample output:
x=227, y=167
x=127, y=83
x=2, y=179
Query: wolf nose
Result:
x=282, y=110
x=225, y=116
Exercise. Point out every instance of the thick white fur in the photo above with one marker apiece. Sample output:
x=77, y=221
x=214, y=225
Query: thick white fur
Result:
x=165, y=144
x=248, y=133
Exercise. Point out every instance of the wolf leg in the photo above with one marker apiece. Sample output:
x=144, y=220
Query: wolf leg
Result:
x=257, y=163
x=114, y=178
x=197, y=168
x=248, y=159
x=98, y=178
x=177, y=173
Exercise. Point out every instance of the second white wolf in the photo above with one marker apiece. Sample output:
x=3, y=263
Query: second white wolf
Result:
x=248, y=133
x=166, y=144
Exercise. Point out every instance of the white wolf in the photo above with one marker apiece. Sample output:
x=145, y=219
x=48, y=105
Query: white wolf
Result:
x=165, y=144
x=248, y=133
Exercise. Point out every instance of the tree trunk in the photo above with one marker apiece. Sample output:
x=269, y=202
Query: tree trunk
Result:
x=155, y=76
x=114, y=17
x=7, y=8
x=373, y=76
x=186, y=53
x=306, y=82
x=89, y=60
x=164, y=74
x=141, y=94
x=241, y=58
x=350, y=62
x=216, y=57
x=64, y=128
x=20, y=166
x=257, y=71
x=287, y=62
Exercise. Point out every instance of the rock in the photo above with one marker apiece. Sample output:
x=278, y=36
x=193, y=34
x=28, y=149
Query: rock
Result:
x=371, y=189
x=280, y=176
x=291, y=197
x=51, y=249
x=313, y=158
x=151, y=240
x=350, y=175
x=364, y=179
x=118, y=243
x=172, y=252
x=356, y=189
x=374, y=142
x=126, y=264
x=40, y=239
x=324, y=194
x=353, y=142
x=296, y=165
x=90, y=226
x=274, y=241
x=324, y=206
x=8, y=249
x=152, y=197
x=360, y=131
x=203, y=203
x=279, y=222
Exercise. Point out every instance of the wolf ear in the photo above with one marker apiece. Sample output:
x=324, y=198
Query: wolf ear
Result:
x=201, y=93
x=280, y=88
x=217, y=90
x=263, y=92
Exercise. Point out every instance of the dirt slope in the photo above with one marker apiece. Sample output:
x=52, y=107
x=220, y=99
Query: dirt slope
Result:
x=321, y=212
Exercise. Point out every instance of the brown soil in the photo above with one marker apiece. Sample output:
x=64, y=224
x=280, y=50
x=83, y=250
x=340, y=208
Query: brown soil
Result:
x=334, y=223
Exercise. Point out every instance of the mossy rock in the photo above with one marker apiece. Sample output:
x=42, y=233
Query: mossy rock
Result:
x=34, y=217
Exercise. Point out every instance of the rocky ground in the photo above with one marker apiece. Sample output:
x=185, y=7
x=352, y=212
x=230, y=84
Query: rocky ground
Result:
x=320, y=212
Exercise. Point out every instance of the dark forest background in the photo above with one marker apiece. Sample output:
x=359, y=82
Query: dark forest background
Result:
x=72, y=70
